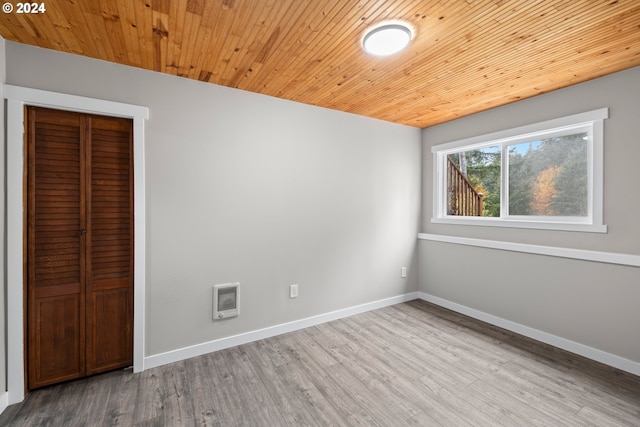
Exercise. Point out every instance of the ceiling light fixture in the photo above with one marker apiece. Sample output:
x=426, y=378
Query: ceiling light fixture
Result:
x=387, y=39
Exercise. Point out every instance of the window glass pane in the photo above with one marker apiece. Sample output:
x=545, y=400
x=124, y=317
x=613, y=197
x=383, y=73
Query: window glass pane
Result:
x=549, y=177
x=473, y=182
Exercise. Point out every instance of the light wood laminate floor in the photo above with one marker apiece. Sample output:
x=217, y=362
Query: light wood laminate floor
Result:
x=412, y=364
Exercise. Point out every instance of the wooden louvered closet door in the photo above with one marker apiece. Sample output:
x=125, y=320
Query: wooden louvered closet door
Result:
x=79, y=245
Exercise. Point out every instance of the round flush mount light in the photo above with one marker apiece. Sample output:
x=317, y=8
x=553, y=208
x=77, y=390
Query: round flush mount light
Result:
x=387, y=39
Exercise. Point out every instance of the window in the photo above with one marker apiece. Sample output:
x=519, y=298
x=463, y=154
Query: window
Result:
x=546, y=175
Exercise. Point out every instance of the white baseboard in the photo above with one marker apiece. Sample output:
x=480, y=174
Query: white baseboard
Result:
x=556, y=341
x=4, y=401
x=222, y=343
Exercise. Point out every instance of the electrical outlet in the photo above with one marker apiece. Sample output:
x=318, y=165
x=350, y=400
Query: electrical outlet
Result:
x=293, y=291
x=403, y=272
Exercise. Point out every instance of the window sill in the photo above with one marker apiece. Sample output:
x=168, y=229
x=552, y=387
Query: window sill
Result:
x=538, y=225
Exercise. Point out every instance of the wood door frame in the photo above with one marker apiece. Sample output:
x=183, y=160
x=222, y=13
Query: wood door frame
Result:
x=17, y=97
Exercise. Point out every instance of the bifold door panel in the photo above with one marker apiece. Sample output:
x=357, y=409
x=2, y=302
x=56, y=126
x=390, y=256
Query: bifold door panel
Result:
x=79, y=245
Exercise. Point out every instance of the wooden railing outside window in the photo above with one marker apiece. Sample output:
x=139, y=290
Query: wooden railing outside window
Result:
x=463, y=200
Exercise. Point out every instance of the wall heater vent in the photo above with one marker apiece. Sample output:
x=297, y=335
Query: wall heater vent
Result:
x=226, y=300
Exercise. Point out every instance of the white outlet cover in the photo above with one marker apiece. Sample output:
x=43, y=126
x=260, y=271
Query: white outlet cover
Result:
x=293, y=291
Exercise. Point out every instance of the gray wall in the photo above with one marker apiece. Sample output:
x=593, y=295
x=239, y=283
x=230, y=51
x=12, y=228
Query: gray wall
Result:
x=590, y=303
x=248, y=188
x=3, y=272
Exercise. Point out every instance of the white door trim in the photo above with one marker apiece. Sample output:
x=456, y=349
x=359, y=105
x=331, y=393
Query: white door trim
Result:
x=17, y=97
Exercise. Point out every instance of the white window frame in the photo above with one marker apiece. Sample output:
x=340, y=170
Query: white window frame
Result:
x=591, y=122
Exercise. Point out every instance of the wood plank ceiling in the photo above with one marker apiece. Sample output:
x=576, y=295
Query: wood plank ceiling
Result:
x=466, y=56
